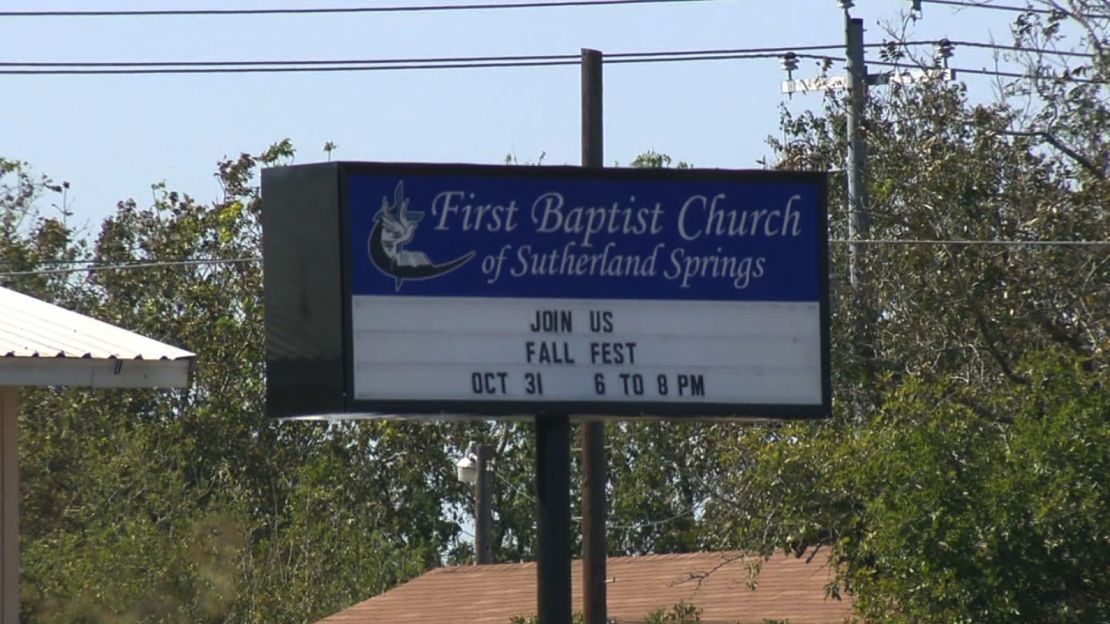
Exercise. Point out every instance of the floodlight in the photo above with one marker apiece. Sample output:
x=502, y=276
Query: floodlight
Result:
x=466, y=469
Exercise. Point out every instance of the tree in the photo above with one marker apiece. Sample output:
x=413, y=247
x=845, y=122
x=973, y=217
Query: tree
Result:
x=934, y=511
x=191, y=506
x=962, y=477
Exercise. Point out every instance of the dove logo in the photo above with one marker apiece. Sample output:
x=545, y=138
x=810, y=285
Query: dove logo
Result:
x=394, y=228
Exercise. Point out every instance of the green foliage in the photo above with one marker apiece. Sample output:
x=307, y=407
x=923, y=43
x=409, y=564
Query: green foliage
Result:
x=660, y=475
x=963, y=478
x=575, y=618
x=190, y=506
x=654, y=160
x=681, y=613
x=1010, y=520
x=948, y=506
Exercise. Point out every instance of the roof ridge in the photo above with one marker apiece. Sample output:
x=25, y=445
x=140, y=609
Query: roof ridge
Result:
x=513, y=565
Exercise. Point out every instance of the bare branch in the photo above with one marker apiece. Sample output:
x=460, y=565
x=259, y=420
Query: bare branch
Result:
x=1053, y=140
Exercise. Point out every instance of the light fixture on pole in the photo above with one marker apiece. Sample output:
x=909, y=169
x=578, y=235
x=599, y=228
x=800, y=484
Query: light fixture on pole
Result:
x=466, y=469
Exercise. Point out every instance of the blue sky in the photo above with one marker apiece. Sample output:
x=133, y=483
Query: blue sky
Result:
x=112, y=136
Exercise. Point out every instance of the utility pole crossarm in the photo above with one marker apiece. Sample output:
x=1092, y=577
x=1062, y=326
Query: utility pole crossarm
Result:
x=840, y=83
x=821, y=83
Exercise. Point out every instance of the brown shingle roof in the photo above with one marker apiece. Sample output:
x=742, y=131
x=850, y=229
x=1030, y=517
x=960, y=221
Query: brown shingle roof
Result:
x=787, y=589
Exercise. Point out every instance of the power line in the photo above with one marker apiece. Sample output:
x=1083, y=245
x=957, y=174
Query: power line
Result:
x=478, y=6
x=133, y=265
x=775, y=54
x=452, y=59
x=449, y=59
x=836, y=241
x=1016, y=9
x=1016, y=48
x=987, y=72
x=54, y=261
x=977, y=243
x=654, y=523
x=274, y=70
x=515, y=488
x=418, y=60
x=463, y=62
x=389, y=65
x=292, y=62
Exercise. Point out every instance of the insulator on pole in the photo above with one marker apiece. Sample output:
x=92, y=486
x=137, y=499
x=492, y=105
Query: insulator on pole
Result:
x=789, y=63
x=942, y=51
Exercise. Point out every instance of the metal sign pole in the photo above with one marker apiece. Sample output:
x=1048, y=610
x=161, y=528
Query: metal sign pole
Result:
x=553, y=518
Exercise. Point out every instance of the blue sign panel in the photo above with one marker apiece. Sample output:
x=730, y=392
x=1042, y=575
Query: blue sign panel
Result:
x=704, y=236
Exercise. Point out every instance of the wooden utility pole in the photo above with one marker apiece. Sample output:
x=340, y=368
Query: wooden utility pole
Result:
x=483, y=503
x=593, y=432
x=858, y=222
x=856, y=81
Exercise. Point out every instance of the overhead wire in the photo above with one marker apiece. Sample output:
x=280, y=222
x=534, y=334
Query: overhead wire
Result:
x=280, y=69
x=434, y=59
x=294, y=62
x=986, y=72
x=466, y=6
x=515, y=488
x=347, y=65
x=94, y=267
x=1016, y=48
x=414, y=8
x=653, y=523
x=974, y=243
x=1012, y=8
x=195, y=67
x=126, y=266
x=478, y=62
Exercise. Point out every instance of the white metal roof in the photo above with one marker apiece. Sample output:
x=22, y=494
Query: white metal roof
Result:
x=42, y=344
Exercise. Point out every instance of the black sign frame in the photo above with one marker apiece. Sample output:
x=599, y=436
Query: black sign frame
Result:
x=307, y=292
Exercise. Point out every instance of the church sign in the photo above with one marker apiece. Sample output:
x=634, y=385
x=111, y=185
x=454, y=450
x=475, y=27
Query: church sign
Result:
x=465, y=290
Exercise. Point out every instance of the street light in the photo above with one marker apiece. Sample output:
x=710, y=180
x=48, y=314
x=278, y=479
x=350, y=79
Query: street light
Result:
x=466, y=469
